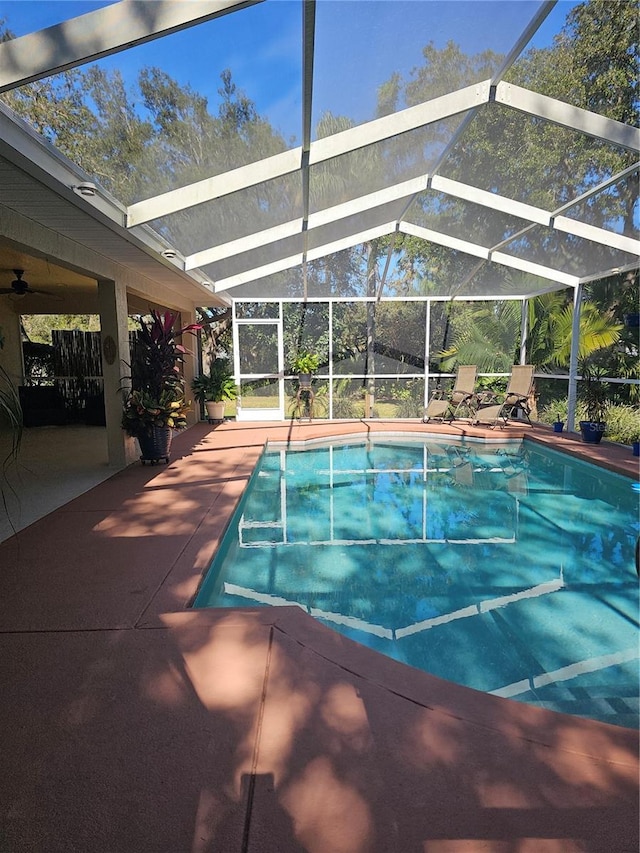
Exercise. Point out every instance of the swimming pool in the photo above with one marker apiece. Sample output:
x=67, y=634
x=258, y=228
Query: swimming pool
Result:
x=507, y=568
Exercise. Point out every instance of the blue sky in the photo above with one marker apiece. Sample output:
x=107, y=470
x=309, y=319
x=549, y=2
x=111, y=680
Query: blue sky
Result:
x=262, y=46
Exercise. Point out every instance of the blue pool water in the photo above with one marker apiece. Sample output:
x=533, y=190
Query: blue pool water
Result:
x=509, y=568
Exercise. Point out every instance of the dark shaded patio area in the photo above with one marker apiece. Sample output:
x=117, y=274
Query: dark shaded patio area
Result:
x=132, y=723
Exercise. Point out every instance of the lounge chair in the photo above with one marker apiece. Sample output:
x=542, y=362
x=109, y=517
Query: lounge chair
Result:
x=493, y=410
x=446, y=407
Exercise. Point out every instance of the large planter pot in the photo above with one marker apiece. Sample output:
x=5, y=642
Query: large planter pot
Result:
x=558, y=426
x=592, y=431
x=155, y=445
x=305, y=380
x=635, y=448
x=215, y=411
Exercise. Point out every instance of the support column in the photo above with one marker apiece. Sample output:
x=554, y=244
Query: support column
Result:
x=524, y=330
x=191, y=366
x=112, y=302
x=11, y=352
x=573, y=360
x=427, y=353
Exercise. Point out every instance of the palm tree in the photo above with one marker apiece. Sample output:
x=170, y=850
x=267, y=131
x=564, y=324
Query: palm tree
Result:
x=489, y=335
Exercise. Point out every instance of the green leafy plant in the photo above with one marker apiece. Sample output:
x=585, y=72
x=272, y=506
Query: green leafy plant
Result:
x=142, y=411
x=623, y=423
x=216, y=385
x=305, y=362
x=594, y=393
x=157, y=396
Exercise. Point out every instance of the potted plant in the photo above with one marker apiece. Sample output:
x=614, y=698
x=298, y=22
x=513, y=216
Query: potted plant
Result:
x=156, y=405
x=594, y=398
x=305, y=363
x=558, y=410
x=215, y=388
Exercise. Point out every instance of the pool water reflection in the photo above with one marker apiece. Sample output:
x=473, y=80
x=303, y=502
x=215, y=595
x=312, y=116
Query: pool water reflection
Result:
x=509, y=568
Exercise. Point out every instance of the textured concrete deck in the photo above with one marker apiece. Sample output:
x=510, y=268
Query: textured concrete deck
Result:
x=131, y=723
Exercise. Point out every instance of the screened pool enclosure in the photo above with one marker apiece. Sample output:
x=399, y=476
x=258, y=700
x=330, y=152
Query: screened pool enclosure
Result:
x=341, y=174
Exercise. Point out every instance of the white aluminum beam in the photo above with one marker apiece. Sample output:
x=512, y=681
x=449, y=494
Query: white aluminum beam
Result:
x=347, y=242
x=259, y=272
x=445, y=240
x=537, y=215
x=396, y=123
x=525, y=38
x=491, y=200
x=211, y=188
x=243, y=244
x=101, y=33
x=596, y=235
x=367, y=202
x=535, y=269
x=559, y=112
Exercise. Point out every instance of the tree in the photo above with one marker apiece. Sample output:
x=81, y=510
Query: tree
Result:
x=489, y=335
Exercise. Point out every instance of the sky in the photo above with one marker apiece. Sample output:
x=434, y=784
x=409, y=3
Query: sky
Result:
x=355, y=53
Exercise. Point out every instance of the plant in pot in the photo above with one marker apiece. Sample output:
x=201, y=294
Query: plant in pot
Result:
x=594, y=397
x=215, y=388
x=305, y=363
x=557, y=410
x=156, y=405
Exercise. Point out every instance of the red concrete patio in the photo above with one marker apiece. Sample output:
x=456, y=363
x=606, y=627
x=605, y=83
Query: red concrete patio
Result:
x=133, y=724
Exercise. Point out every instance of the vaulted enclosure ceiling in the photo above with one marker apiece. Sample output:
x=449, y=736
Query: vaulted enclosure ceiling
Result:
x=467, y=147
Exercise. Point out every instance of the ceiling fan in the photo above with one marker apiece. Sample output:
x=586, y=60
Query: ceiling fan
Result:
x=19, y=287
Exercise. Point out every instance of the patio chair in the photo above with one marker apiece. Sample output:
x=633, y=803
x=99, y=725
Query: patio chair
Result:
x=493, y=410
x=446, y=407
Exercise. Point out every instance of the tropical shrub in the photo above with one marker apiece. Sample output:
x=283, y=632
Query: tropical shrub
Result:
x=156, y=398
